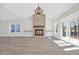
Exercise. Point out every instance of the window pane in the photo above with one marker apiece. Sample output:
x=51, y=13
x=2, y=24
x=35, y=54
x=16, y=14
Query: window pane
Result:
x=17, y=28
x=64, y=30
x=72, y=28
x=12, y=28
x=78, y=29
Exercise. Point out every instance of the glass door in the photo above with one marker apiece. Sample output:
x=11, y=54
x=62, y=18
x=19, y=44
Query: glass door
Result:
x=71, y=30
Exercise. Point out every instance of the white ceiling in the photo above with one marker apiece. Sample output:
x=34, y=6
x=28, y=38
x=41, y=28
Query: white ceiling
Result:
x=27, y=9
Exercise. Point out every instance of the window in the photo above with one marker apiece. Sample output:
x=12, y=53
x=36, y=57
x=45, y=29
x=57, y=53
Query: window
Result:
x=66, y=28
x=15, y=27
x=71, y=28
x=56, y=27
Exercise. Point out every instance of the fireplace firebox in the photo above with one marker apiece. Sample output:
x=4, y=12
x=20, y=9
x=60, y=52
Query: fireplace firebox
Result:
x=39, y=32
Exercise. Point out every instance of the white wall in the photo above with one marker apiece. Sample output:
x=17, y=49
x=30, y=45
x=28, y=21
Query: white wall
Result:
x=8, y=16
x=22, y=13
x=25, y=26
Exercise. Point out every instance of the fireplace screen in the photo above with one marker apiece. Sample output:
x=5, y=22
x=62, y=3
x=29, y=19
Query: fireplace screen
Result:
x=39, y=32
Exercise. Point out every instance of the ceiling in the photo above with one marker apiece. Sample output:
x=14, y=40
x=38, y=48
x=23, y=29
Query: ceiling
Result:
x=23, y=10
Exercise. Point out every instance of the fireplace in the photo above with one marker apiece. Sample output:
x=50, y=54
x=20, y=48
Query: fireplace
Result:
x=39, y=32
x=38, y=22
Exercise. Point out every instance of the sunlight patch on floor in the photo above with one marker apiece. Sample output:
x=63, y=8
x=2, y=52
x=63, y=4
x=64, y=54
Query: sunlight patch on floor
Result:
x=61, y=43
x=71, y=48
